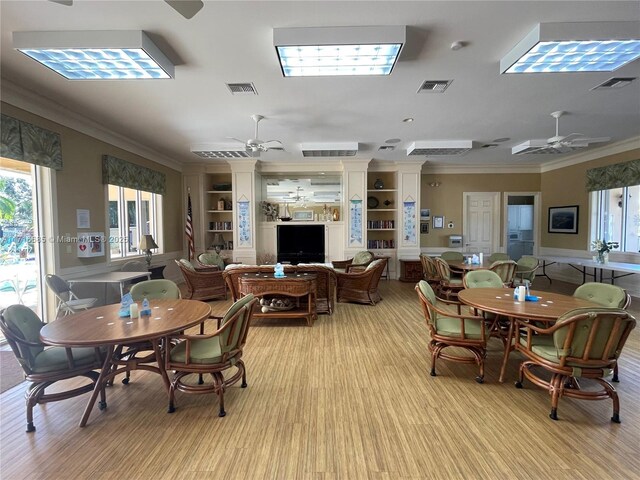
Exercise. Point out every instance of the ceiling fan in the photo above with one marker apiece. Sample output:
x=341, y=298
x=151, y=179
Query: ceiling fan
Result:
x=255, y=145
x=186, y=8
x=558, y=143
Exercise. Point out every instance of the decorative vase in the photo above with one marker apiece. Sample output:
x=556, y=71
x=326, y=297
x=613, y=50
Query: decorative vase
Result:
x=378, y=184
x=336, y=215
x=602, y=257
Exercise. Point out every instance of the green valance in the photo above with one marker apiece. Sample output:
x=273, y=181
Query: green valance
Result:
x=129, y=175
x=30, y=143
x=614, y=176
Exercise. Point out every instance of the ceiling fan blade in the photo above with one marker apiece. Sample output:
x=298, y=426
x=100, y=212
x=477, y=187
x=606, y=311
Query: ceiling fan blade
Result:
x=276, y=148
x=186, y=8
x=598, y=139
x=276, y=142
x=237, y=140
x=66, y=3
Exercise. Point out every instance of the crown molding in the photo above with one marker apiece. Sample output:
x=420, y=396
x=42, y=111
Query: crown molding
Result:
x=37, y=104
x=593, y=154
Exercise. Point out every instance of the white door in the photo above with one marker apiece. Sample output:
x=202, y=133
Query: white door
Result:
x=479, y=224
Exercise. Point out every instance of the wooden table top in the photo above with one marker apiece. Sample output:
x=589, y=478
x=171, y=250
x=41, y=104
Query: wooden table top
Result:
x=549, y=306
x=467, y=267
x=103, y=325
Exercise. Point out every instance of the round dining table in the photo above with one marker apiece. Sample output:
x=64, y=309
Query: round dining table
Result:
x=102, y=327
x=548, y=308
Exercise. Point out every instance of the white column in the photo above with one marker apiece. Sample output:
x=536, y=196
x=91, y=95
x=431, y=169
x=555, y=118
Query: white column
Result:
x=244, y=210
x=409, y=225
x=355, y=188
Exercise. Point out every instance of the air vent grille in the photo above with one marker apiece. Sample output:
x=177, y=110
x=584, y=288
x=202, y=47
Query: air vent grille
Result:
x=386, y=148
x=329, y=153
x=342, y=149
x=434, y=86
x=222, y=153
x=615, y=82
x=440, y=147
x=242, y=88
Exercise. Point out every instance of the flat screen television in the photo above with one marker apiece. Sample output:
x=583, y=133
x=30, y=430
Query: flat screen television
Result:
x=301, y=243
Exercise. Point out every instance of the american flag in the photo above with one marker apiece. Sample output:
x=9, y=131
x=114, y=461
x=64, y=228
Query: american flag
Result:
x=188, y=229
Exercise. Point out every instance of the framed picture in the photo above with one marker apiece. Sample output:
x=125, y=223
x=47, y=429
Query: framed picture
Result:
x=425, y=213
x=563, y=219
x=424, y=227
x=438, y=221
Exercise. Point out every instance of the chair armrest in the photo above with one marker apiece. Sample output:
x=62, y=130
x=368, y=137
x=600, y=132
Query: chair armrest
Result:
x=341, y=263
x=205, y=268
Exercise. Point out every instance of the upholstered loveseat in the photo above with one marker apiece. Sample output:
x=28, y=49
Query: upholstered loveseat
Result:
x=326, y=281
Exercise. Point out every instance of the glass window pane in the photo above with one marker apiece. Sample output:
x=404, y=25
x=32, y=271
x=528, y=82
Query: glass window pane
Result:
x=612, y=215
x=115, y=247
x=632, y=233
x=133, y=234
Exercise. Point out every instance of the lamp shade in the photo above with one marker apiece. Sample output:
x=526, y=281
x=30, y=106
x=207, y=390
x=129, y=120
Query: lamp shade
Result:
x=147, y=242
x=218, y=241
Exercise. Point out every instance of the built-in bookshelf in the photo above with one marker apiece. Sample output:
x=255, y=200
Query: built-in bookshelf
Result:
x=218, y=210
x=381, y=211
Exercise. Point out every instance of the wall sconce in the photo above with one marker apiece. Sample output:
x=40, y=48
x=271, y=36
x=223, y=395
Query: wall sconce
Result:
x=146, y=244
x=434, y=184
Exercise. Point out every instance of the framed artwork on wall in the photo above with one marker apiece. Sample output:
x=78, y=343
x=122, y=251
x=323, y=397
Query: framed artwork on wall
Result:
x=438, y=221
x=563, y=219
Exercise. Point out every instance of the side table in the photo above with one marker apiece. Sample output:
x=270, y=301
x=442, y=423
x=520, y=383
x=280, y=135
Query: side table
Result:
x=410, y=270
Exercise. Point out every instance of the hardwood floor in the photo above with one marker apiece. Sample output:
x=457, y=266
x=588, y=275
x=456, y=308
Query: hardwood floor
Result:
x=349, y=398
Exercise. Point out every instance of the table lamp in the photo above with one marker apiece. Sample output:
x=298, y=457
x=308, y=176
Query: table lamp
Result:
x=218, y=243
x=146, y=244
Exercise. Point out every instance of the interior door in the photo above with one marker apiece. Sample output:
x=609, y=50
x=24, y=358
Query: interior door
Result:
x=479, y=223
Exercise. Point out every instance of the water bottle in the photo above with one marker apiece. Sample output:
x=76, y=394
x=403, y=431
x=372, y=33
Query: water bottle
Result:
x=526, y=286
x=146, y=310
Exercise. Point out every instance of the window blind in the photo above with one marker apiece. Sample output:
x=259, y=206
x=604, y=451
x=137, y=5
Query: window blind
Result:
x=614, y=176
x=29, y=143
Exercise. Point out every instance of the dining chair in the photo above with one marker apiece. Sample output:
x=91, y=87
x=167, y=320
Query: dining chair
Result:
x=584, y=343
x=526, y=270
x=452, y=256
x=44, y=365
x=361, y=286
x=211, y=354
x=359, y=262
x=430, y=271
x=448, y=329
x=496, y=256
x=204, y=284
x=488, y=279
x=607, y=296
x=506, y=270
x=134, y=266
x=449, y=285
x=67, y=301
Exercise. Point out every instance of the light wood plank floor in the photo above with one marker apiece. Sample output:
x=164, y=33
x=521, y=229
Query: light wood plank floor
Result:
x=349, y=398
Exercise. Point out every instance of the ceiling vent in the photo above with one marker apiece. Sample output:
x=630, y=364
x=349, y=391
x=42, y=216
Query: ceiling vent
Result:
x=242, y=88
x=440, y=147
x=434, y=86
x=615, y=82
x=219, y=151
x=540, y=147
x=345, y=149
x=386, y=148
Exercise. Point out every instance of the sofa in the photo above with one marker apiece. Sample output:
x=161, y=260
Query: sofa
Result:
x=326, y=281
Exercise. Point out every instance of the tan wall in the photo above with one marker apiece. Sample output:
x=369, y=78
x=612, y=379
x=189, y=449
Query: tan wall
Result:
x=79, y=185
x=447, y=198
x=566, y=186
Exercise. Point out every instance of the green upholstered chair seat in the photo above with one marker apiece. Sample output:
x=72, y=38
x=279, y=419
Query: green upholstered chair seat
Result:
x=450, y=327
x=55, y=358
x=205, y=351
x=602, y=294
x=482, y=279
x=211, y=258
x=455, y=281
x=543, y=346
x=155, y=289
x=187, y=264
x=361, y=258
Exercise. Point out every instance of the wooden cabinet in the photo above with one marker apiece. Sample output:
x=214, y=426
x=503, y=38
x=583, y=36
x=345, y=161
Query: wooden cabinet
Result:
x=219, y=210
x=410, y=270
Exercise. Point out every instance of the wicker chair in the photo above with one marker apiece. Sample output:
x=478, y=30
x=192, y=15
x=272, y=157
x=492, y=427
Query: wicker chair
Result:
x=211, y=259
x=448, y=329
x=583, y=343
x=506, y=270
x=43, y=366
x=451, y=256
x=326, y=286
x=430, y=271
x=202, y=285
x=211, y=354
x=497, y=256
x=359, y=262
x=449, y=286
x=526, y=270
x=361, y=287
x=610, y=296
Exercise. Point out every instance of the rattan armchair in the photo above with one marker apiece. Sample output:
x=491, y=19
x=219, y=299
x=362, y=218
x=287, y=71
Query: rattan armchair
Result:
x=359, y=262
x=506, y=270
x=202, y=285
x=448, y=329
x=43, y=366
x=583, y=343
x=361, y=287
x=430, y=271
x=449, y=285
x=526, y=270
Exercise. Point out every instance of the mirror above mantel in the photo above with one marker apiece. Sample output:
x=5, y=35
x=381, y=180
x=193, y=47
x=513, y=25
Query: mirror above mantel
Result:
x=302, y=190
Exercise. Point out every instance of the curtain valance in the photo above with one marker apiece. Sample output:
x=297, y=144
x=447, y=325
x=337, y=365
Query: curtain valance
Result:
x=614, y=176
x=29, y=143
x=129, y=175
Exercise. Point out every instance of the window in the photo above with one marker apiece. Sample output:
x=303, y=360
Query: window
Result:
x=616, y=217
x=131, y=214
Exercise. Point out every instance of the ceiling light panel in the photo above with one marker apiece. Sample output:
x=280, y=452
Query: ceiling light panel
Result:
x=219, y=151
x=338, y=51
x=440, y=147
x=575, y=47
x=96, y=55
